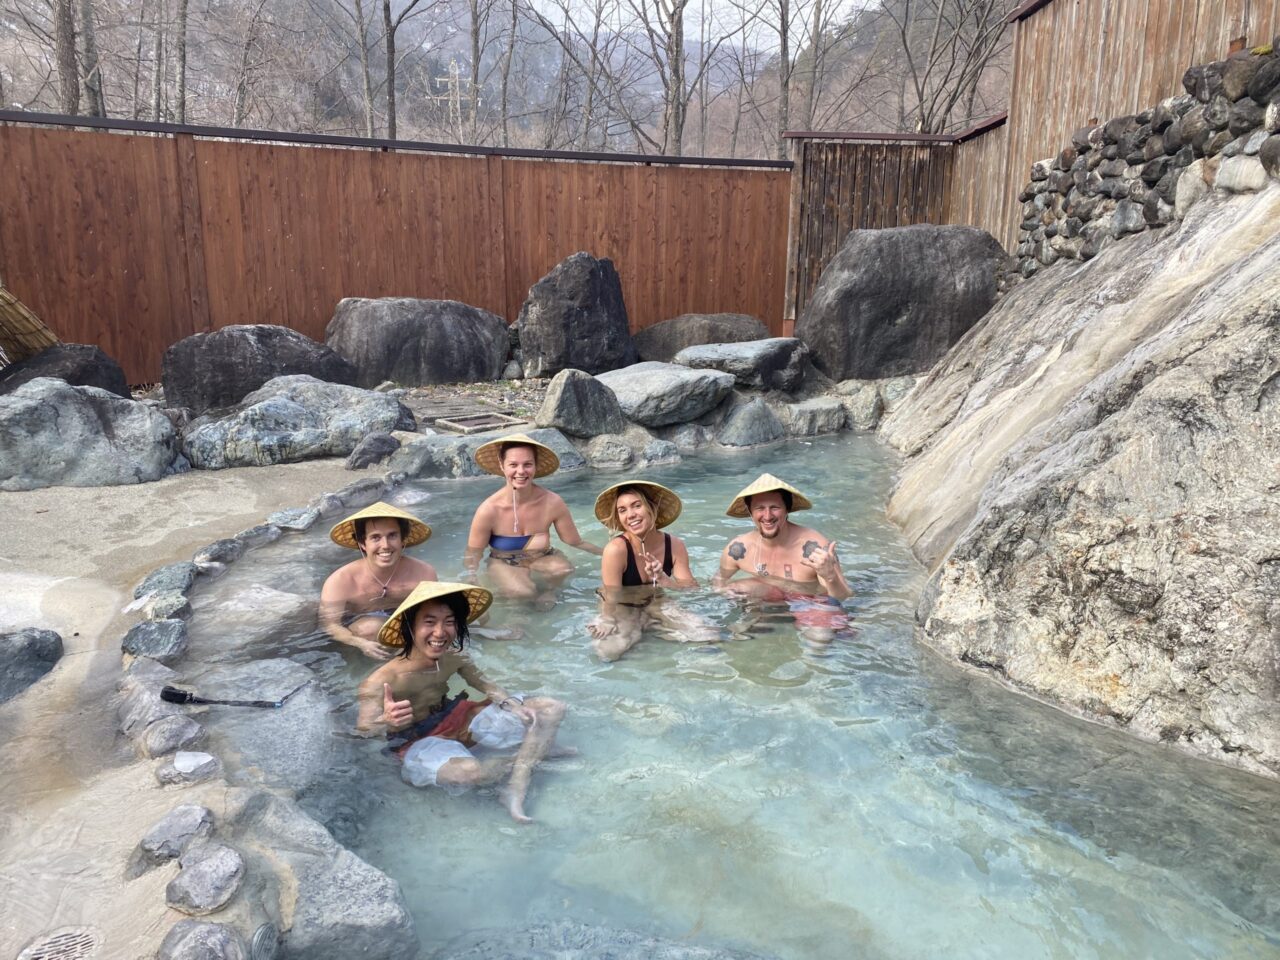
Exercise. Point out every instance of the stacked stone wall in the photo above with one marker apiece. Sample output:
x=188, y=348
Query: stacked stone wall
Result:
x=1144, y=171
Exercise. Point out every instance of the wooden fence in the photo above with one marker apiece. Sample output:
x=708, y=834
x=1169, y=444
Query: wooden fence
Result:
x=132, y=242
x=1074, y=62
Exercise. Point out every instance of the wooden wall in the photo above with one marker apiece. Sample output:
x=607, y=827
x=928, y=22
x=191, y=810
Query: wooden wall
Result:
x=1076, y=60
x=838, y=186
x=133, y=242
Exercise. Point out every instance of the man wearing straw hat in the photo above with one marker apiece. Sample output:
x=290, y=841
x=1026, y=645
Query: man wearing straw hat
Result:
x=358, y=597
x=777, y=549
x=435, y=735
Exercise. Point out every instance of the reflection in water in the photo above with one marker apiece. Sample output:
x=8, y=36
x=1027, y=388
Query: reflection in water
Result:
x=828, y=797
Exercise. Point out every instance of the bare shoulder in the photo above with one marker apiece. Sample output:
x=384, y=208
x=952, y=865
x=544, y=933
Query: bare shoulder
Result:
x=386, y=673
x=809, y=540
x=737, y=548
x=420, y=568
x=341, y=581
x=615, y=547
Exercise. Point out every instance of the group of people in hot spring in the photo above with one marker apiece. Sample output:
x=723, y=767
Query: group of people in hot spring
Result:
x=392, y=607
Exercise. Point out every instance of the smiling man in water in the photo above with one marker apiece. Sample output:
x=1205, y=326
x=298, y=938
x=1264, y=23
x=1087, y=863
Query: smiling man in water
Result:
x=779, y=551
x=359, y=596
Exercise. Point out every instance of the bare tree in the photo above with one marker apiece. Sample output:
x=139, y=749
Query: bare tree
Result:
x=90, y=64
x=180, y=32
x=64, y=26
x=390, y=24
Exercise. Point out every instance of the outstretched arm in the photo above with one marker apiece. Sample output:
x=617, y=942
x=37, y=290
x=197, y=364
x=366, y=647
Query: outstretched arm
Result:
x=567, y=530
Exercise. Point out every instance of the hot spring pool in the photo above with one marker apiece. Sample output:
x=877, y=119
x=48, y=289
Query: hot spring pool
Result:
x=861, y=800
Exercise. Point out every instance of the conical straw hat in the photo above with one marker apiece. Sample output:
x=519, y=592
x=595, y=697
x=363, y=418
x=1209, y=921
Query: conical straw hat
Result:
x=478, y=600
x=489, y=456
x=763, y=484
x=668, y=504
x=344, y=533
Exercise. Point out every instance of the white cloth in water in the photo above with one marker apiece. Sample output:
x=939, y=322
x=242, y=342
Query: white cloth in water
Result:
x=491, y=728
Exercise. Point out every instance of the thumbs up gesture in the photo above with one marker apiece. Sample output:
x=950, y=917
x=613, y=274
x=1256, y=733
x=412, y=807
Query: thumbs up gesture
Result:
x=395, y=713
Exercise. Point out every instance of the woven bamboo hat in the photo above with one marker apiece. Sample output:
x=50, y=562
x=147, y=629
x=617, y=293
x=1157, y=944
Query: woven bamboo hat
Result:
x=489, y=456
x=667, y=504
x=765, y=483
x=478, y=600
x=344, y=533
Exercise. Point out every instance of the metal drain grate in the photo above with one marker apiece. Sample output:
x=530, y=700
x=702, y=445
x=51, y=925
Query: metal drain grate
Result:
x=69, y=943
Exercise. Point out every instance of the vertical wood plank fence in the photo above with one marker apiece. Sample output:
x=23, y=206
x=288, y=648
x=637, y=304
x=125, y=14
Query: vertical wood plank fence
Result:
x=133, y=241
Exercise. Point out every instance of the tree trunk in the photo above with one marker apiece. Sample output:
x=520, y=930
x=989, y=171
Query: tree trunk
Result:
x=784, y=75
x=92, y=66
x=157, y=62
x=815, y=52
x=477, y=25
x=506, y=74
x=137, y=63
x=362, y=32
x=64, y=39
x=181, y=94
x=389, y=29
x=677, y=96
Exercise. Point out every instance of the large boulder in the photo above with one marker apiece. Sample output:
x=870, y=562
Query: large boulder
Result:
x=290, y=419
x=776, y=363
x=25, y=657
x=662, y=341
x=894, y=301
x=416, y=342
x=750, y=424
x=341, y=906
x=575, y=318
x=54, y=434
x=79, y=364
x=580, y=405
x=209, y=371
x=656, y=394
x=448, y=456
x=1091, y=480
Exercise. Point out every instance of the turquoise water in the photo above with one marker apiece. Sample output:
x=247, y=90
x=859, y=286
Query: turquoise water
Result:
x=865, y=799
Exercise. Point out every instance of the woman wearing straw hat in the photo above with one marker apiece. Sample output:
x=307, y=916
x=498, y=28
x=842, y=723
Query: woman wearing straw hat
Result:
x=455, y=743
x=358, y=597
x=640, y=559
x=515, y=523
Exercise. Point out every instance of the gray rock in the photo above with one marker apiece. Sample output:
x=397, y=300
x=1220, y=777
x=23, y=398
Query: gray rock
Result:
x=580, y=405
x=227, y=550
x=749, y=424
x=141, y=705
x=513, y=371
x=169, y=838
x=187, y=768
x=202, y=940
x=1236, y=74
x=1253, y=143
x=777, y=363
x=290, y=419
x=78, y=364
x=689, y=437
x=210, y=371
x=893, y=301
x=657, y=394
x=171, y=578
x=163, y=640
x=811, y=417
x=1246, y=116
x=343, y=907
x=1269, y=155
x=662, y=341
x=374, y=448
x=25, y=657
x=259, y=535
x=1241, y=175
x=862, y=403
x=1128, y=218
x=1271, y=118
x=167, y=606
x=417, y=342
x=1266, y=80
x=608, y=452
x=292, y=747
x=575, y=318
x=54, y=434
x=209, y=877
x=1091, y=480
x=659, y=451
x=1192, y=186
x=169, y=734
x=894, y=390
x=294, y=518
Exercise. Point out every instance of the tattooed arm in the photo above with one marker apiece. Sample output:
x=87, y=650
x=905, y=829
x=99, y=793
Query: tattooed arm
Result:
x=731, y=559
x=824, y=562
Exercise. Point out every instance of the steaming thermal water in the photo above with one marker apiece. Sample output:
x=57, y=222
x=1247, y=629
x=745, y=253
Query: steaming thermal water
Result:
x=866, y=800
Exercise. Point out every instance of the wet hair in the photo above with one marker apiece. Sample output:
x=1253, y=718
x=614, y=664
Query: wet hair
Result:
x=787, y=499
x=458, y=606
x=640, y=492
x=360, y=525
